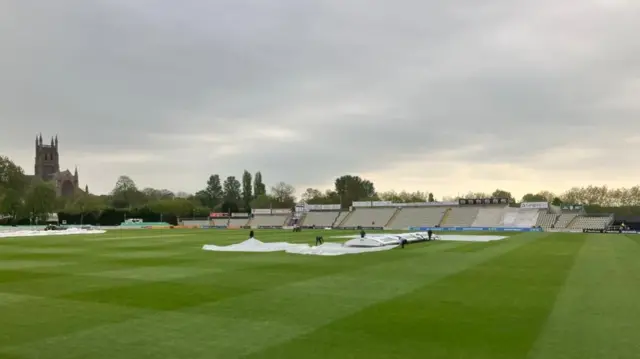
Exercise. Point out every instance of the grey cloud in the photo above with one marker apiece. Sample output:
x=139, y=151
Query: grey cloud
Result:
x=361, y=84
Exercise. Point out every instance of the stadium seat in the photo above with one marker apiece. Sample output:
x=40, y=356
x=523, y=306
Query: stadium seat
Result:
x=586, y=222
x=565, y=219
x=238, y=222
x=461, y=217
x=320, y=218
x=341, y=218
x=370, y=217
x=489, y=217
x=418, y=217
x=196, y=222
x=546, y=220
x=269, y=219
x=520, y=217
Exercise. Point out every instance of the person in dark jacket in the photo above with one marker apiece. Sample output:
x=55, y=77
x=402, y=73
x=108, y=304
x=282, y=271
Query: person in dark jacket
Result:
x=362, y=234
x=430, y=234
x=319, y=240
x=251, y=234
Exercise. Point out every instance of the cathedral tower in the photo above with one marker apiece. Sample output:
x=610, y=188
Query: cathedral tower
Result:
x=47, y=161
x=47, y=168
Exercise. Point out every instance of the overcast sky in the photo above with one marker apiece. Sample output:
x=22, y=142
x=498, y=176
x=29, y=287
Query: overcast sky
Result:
x=441, y=96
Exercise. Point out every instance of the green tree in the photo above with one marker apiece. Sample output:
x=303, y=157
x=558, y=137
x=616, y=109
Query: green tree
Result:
x=500, y=193
x=413, y=197
x=41, y=199
x=13, y=184
x=213, y=195
x=182, y=194
x=247, y=189
x=572, y=196
x=310, y=195
x=530, y=197
x=11, y=175
x=315, y=196
x=602, y=196
x=391, y=196
x=353, y=188
x=404, y=196
x=229, y=207
x=202, y=198
x=85, y=203
x=125, y=194
x=430, y=197
x=634, y=196
x=258, y=185
x=232, y=190
x=153, y=194
x=179, y=207
x=330, y=197
x=283, y=195
x=262, y=201
x=11, y=202
x=282, y=191
x=549, y=196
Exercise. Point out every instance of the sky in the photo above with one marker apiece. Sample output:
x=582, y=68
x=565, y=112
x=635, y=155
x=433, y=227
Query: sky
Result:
x=440, y=96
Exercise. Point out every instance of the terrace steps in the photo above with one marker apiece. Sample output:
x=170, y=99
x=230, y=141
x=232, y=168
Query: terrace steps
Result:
x=288, y=221
x=571, y=221
x=302, y=219
x=334, y=224
x=444, y=217
x=345, y=219
x=393, y=218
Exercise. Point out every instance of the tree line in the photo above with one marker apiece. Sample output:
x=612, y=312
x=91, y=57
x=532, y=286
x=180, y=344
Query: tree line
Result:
x=22, y=198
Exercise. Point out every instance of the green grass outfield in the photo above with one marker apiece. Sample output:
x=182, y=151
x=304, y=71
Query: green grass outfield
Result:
x=156, y=294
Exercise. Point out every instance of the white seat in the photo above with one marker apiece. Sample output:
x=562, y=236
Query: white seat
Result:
x=461, y=217
x=366, y=217
x=418, y=217
x=320, y=218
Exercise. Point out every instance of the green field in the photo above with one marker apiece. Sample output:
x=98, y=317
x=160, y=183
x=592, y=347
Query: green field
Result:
x=156, y=294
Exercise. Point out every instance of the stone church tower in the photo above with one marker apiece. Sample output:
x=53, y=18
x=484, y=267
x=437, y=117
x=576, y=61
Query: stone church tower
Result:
x=47, y=162
x=47, y=168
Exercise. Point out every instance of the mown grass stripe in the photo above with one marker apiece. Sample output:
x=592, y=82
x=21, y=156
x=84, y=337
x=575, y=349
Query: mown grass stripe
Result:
x=36, y=318
x=597, y=315
x=493, y=310
x=475, y=246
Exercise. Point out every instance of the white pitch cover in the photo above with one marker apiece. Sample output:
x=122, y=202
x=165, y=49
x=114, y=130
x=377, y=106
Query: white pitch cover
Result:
x=370, y=243
x=326, y=249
